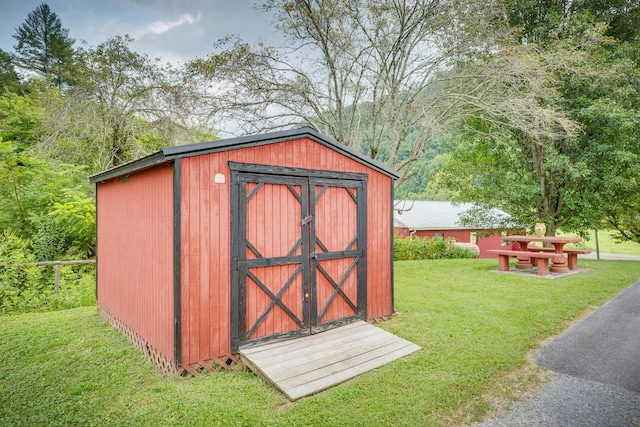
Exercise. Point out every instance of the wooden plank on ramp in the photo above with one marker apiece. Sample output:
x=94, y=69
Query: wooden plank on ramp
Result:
x=303, y=366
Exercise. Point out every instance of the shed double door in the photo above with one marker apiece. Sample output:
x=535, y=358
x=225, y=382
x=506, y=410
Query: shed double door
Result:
x=299, y=254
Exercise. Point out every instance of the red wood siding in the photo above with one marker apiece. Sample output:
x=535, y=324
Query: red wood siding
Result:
x=490, y=242
x=135, y=253
x=206, y=225
x=458, y=235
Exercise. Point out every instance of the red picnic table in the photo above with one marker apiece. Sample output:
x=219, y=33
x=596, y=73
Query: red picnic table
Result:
x=559, y=264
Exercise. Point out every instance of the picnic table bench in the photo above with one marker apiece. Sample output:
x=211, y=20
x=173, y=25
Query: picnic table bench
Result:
x=541, y=258
x=572, y=254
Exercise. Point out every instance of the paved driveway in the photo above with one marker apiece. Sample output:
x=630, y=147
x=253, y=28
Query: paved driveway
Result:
x=604, y=347
x=606, y=256
x=597, y=372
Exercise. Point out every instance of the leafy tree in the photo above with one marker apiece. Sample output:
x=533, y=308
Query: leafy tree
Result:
x=539, y=21
x=366, y=73
x=68, y=230
x=43, y=45
x=570, y=170
x=610, y=116
x=9, y=79
x=620, y=16
x=124, y=105
x=420, y=172
x=20, y=117
x=45, y=203
x=625, y=219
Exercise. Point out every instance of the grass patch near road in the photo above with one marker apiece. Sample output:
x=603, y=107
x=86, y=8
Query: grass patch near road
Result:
x=475, y=326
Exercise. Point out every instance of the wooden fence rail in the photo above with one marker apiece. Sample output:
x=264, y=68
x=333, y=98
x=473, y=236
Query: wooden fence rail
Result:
x=57, y=264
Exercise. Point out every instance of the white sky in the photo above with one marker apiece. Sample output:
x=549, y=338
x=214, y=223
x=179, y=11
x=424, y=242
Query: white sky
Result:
x=174, y=30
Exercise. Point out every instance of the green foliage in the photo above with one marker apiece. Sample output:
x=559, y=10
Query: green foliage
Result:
x=420, y=172
x=20, y=117
x=27, y=287
x=9, y=79
x=626, y=221
x=51, y=207
x=610, y=117
x=19, y=283
x=608, y=242
x=77, y=288
x=17, y=174
x=72, y=226
x=420, y=248
x=537, y=20
x=542, y=21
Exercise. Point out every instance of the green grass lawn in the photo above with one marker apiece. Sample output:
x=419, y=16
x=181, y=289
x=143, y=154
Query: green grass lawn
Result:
x=475, y=326
x=607, y=244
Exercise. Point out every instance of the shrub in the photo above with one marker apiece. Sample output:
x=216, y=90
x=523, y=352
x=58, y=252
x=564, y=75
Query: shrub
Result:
x=26, y=287
x=416, y=248
x=77, y=288
x=20, y=284
x=68, y=231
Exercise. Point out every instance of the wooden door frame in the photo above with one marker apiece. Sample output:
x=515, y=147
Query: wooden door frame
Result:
x=243, y=169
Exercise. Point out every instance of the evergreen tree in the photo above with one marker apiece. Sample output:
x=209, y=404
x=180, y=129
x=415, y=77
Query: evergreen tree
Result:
x=43, y=45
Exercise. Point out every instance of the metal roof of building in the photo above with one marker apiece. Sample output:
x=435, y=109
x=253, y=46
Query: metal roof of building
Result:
x=170, y=153
x=429, y=215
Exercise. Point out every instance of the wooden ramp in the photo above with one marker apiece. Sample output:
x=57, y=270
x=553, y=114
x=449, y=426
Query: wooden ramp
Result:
x=304, y=366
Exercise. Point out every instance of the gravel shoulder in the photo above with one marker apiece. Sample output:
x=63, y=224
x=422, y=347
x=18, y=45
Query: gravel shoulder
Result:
x=570, y=401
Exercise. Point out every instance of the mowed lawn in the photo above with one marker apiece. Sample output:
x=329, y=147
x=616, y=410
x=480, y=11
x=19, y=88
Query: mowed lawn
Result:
x=477, y=327
x=608, y=244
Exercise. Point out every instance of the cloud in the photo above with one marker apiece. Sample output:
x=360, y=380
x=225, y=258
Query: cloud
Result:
x=160, y=27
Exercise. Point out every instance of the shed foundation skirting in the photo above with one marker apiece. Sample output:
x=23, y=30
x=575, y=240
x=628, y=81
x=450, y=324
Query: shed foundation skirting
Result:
x=164, y=363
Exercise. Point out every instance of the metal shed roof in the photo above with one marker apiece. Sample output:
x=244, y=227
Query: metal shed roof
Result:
x=428, y=215
x=169, y=153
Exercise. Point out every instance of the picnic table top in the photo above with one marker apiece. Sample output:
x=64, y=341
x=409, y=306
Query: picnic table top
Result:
x=544, y=239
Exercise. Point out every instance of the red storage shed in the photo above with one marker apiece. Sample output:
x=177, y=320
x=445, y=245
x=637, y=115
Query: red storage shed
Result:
x=206, y=247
